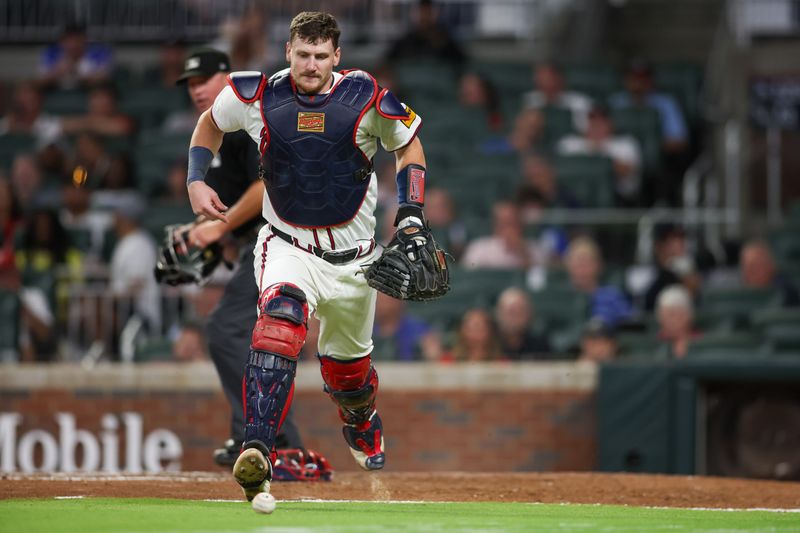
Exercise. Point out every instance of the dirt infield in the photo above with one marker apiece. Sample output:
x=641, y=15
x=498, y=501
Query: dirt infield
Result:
x=622, y=489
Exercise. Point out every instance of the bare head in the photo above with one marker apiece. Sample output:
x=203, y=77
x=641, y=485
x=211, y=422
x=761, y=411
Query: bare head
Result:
x=675, y=312
x=313, y=50
x=514, y=311
x=584, y=264
x=757, y=265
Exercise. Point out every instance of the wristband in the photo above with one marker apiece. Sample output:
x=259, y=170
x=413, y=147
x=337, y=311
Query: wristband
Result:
x=411, y=185
x=200, y=159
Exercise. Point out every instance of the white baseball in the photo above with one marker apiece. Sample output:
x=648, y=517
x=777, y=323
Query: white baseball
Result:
x=264, y=503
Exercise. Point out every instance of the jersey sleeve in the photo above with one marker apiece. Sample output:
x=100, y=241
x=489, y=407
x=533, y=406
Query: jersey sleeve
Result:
x=394, y=134
x=229, y=113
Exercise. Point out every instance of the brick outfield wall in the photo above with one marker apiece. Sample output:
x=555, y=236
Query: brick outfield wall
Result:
x=502, y=424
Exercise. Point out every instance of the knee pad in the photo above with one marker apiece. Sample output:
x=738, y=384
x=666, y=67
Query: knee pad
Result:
x=282, y=322
x=352, y=385
x=268, y=385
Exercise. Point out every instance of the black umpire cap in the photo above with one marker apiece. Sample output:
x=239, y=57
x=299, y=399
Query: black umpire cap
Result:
x=206, y=63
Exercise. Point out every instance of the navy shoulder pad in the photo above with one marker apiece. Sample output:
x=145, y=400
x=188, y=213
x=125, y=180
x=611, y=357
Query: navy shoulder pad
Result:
x=390, y=107
x=247, y=85
x=356, y=74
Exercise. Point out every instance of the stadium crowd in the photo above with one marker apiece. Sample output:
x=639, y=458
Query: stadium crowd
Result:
x=92, y=167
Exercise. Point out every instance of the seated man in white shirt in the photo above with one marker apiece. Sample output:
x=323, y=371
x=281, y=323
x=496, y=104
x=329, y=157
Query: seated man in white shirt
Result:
x=623, y=150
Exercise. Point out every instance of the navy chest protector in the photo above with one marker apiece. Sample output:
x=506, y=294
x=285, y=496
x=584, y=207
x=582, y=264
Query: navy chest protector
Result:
x=315, y=174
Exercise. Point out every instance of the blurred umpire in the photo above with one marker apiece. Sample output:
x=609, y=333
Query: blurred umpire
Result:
x=234, y=176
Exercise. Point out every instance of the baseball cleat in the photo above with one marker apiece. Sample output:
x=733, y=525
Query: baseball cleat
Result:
x=366, y=442
x=253, y=472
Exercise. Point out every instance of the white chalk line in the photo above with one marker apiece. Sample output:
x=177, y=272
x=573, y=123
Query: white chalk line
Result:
x=427, y=502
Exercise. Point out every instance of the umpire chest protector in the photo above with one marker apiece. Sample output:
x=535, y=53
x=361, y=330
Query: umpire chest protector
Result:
x=313, y=170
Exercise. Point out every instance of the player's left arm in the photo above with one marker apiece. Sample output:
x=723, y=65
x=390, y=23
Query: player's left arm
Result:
x=410, y=162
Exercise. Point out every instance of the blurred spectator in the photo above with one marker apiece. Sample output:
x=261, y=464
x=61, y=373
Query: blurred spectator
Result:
x=246, y=39
x=171, y=57
x=526, y=130
x=25, y=116
x=674, y=264
x=549, y=92
x=639, y=92
x=477, y=339
x=91, y=160
x=675, y=315
x=447, y=228
x=175, y=193
x=132, y=263
x=507, y=247
x=477, y=92
x=538, y=174
x=10, y=218
x=117, y=185
x=598, y=342
x=190, y=344
x=514, y=314
x=73, y=62
x=45, y=247
x=623, y=150
x=585, y=265
x=77, y=216
x=758, y=271
x=26, y=180
x=426, y=39
x=103, y=116
x=400, y=337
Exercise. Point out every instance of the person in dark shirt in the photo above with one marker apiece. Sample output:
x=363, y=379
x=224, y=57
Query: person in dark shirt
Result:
x=758, y=271
x=427, y=39
x=673, y=263
x=234, y=176
x=514, y=315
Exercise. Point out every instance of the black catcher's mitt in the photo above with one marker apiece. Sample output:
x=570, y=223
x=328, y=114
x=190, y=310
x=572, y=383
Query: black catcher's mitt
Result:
x=412, y=267
x=180, y=264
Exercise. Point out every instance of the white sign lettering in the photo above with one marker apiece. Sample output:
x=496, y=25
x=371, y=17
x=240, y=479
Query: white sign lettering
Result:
x=158, y=451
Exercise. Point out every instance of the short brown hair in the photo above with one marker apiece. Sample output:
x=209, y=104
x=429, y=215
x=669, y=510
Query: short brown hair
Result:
x=315, y=27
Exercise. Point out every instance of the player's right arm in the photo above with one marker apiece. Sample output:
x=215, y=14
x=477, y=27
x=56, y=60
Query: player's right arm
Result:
x=206, y=140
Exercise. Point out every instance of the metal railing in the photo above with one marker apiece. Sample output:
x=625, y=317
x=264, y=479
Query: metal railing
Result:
x=98, y=324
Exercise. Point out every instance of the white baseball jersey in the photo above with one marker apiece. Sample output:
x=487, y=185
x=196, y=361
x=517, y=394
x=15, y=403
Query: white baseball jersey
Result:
x=231, y=114
x=337, y=294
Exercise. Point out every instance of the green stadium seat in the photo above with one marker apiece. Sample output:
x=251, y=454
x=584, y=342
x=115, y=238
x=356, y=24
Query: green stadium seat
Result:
x=560, y=314
x=510, y=79
x=734, y=306
x=733, y=345
x=66, y=102
x=644, y=124
x=640, y=345
x=590, y=178
x=14, y=144
x=683, y=81
x=149, y=105
x=431, y=78
x=558, y=123
x=152, y=350
x=596, y=80
x=157, y=216
x=781, y=329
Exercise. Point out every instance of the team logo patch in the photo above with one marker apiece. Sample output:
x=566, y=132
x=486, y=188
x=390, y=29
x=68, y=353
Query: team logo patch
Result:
x=311, y=122
x=411, y=117
x=416, y=185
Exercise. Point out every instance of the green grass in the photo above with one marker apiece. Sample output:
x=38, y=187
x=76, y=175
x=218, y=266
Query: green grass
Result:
x=146, y=515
